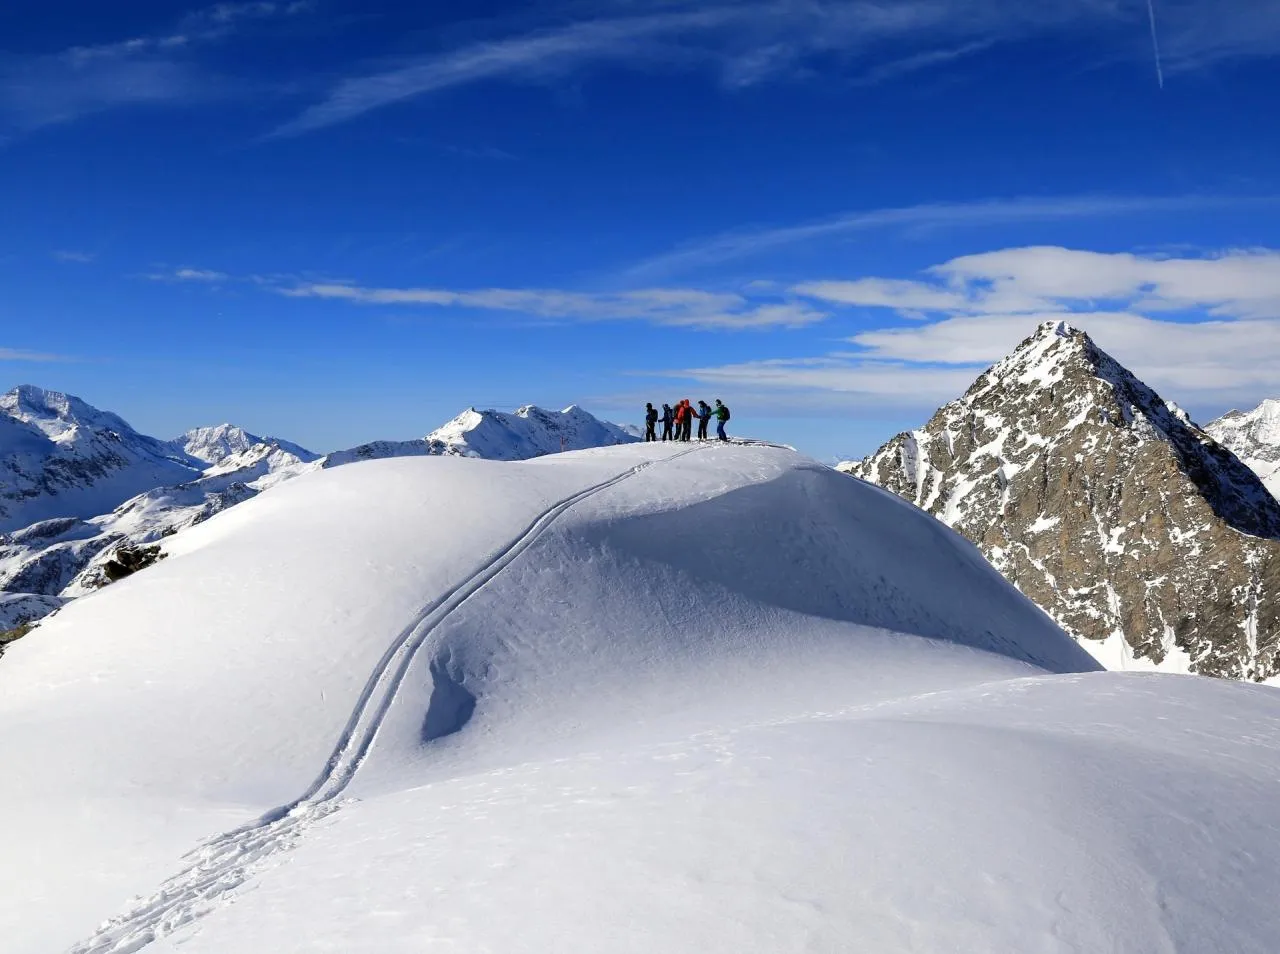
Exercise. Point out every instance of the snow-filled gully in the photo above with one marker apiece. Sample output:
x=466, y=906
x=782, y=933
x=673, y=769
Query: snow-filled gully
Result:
x=228, y=860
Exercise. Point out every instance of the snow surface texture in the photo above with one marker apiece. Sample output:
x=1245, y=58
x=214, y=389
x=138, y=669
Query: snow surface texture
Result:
x=632, y=699
x=63, y=555
x=1254, y=437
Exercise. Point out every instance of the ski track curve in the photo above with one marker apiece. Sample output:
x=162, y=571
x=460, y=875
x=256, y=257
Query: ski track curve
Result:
x=229, y=860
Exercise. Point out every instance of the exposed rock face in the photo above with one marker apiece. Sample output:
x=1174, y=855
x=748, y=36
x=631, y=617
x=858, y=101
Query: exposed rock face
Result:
x=1254, y=437
x=1105, y=505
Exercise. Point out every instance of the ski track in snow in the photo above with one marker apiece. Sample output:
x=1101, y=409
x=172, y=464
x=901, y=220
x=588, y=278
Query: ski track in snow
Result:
x=230, y=859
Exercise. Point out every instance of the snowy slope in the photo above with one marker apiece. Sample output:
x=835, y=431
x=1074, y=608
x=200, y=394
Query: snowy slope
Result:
x=52, y=560
x=60, y=457
x=635, y=698
x=1254, y=437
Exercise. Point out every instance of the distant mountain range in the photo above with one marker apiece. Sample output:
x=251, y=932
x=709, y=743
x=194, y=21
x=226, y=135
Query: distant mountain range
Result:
x=1144, y=536
x=78, y=485
x=1254, y=437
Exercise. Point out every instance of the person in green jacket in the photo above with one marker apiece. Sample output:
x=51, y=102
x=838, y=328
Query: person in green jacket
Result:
x=722, y=418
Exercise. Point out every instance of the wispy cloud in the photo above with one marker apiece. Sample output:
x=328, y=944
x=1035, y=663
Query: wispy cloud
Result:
x=675, y=307
x=154, y=69
x=18, y=354
x=198, y=275
x=746, y=243
x=536, y=55
x=746, y=43
x=1196, y=35
x=70, y=255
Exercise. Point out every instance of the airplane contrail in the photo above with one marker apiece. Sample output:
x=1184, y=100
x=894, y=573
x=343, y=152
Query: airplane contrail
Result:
x=1155, y=42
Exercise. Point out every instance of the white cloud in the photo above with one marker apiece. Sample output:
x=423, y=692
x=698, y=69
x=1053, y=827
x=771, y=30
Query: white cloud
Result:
x=1240, y=284
x=70, y=255
x=745, y=243
x=677, y=307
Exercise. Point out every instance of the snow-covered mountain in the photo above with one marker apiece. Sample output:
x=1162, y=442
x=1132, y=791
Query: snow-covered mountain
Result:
x=66, y=554
x=215, y=444
x=60, y=458
x=639, y=698
x=1138, y=532
x=1254, y=437
x=494, y=435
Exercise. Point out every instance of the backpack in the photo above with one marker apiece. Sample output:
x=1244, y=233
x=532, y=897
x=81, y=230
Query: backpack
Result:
x=725, y=408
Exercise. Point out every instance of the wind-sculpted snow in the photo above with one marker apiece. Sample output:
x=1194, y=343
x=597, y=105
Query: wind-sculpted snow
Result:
x=1108, y=506
x=635, y=698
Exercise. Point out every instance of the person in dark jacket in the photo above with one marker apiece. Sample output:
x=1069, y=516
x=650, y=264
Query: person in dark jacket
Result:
x=668, y=418
x=650, y=422
x=704, y=418
x=722, y=417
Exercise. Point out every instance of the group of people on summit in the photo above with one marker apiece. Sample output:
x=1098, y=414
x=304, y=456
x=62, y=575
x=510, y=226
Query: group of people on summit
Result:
x=677, y=422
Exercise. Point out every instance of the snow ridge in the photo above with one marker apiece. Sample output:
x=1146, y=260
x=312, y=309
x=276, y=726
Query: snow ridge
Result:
x=140, y=491
x=228, y=861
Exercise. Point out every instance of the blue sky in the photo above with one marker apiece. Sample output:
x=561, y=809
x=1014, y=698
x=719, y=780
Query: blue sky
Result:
x=338, y=221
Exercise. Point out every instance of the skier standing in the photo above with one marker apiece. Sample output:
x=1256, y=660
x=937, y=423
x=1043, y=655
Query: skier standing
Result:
x=667, y=418
x=722, y=418
x=650, y=422
x=704, y=418
x=682, y=418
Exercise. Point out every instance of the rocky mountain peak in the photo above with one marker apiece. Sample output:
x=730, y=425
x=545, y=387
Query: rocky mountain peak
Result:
x=1104, y=503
